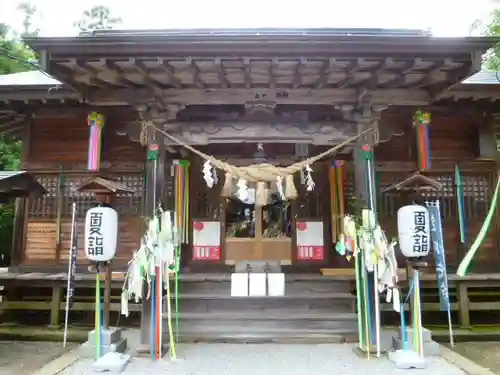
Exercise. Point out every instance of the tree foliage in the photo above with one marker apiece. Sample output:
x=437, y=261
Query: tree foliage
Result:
x=15, y=57
x=490, y=27
x=97, y=18
x=13, y=53
x=29, y=11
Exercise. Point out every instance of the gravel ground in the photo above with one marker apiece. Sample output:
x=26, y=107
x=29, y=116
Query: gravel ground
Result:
x=486, y=354
x=272, y=359
x=22, y=358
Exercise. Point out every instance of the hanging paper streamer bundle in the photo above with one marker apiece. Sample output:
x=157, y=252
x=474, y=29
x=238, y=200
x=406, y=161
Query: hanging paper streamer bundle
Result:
x=156, y=253
x=466, y=262
x=181, y=201
x=460, y=204
x=337, y=201
x=96, y=123
x=364, y=241
x=421, y=122
x=440, y=259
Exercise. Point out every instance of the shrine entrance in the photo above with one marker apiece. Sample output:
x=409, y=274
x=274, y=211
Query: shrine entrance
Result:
x=232, y=230
x=256, y=233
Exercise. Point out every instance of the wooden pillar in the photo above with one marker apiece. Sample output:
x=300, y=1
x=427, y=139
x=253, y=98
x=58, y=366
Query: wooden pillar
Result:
x=365, y=120
x=153, y=193
x=463, y=304
x=55, y=305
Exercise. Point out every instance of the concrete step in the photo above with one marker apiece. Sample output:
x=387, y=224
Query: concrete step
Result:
x=268, y=337
x=267, y=327
x=236, y=305
x=294, y=284
x=314, y=309
x=269, y=316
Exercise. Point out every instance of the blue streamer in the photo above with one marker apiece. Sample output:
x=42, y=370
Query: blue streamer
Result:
x=439, y=254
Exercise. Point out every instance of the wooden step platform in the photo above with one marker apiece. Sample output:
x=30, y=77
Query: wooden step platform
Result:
x=314, y=309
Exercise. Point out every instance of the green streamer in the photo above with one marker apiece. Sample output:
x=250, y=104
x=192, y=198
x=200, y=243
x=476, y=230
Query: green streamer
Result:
x=466, y=262
x=177, y=271
x=359, y=300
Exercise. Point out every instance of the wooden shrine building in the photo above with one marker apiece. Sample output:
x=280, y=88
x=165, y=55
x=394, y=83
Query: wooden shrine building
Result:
x=247, y=96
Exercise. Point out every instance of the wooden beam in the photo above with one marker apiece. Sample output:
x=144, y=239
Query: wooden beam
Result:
x=93, y=73
x=195, y=71
x=318, y=132
x=144, y=71
x=453, y=78
x=170, y=72
x=120, y=73
x=374, y=80
x=272, y=67
x=67, y=77
x=297, y=74
x=242, y=96
x=400, y=77
x=324, y=73
x=248, y=72
x=351, y=69
x=426, y=80
x=221, y=73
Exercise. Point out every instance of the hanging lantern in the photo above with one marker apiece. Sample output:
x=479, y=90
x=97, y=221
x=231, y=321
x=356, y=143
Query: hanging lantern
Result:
x=101, y=231
x=414, y=231
x=96, y=122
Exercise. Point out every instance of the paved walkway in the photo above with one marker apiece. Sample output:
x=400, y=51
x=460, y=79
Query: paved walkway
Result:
x=22, y=358
x=486, y=354
x=267, y=359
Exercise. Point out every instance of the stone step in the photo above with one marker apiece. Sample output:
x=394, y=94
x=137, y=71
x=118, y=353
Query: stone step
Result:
x=431, y=348
x=426, y=334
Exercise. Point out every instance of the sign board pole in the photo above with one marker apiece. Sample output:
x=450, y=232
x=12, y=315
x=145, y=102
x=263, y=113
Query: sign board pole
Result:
x=71, y=266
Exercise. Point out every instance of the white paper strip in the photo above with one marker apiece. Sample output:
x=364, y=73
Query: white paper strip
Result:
x=257, y=285
x=276, y=284
x=239, y=285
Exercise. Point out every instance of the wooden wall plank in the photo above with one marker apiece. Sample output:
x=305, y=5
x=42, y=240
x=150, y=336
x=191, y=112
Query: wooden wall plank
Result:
x=41, y=242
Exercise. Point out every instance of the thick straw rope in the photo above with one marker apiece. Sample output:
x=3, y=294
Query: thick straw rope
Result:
x=259, y=173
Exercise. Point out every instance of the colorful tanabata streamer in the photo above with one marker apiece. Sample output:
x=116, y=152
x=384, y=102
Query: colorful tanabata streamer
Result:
x=96, y=123
x=337, y=200
x=466, y=262
x=460, y=204
x=421, y=121
x=181, y=200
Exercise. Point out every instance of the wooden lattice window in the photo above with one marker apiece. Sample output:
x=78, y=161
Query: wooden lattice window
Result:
x=45, y=207
x=477, y=193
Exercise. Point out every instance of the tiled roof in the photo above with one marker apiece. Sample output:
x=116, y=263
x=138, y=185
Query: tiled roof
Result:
x=33, y=78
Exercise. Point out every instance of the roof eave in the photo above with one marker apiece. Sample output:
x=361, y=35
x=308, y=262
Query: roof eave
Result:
x=246, y=41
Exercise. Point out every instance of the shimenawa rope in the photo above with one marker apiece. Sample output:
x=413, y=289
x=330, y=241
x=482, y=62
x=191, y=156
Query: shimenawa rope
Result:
x=261, y=174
